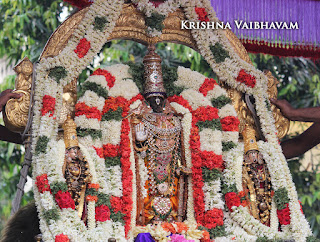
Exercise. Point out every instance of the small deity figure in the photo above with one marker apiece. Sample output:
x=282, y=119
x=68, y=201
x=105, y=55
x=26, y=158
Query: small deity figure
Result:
x=75, y=168
x=256, y=178
x=157, y=138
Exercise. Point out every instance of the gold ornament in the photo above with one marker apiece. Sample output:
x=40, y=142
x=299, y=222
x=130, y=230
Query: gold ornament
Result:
x=70, y=133
x=153, y=74
x=249, y=138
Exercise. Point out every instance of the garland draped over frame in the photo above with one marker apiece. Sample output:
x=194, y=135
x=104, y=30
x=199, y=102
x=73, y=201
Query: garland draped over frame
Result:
x=214, y=155
x=304, y=42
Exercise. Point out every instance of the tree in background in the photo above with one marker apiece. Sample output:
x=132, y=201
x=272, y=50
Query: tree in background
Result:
x=26, y=26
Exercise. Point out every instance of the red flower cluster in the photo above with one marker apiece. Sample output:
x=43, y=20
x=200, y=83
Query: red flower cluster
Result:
x=230, y=123
x=284, y=215
x=180, y=100
x=110, y=150
x=211, y=160
x=102, y=213
x=213, y=218
x=207, y=86
x=116, y=204
x=82, y=48
x=64, y=200
x=48, y=105
x=90, y=112
x=205, y=113
x=115, y=102
x=109, y=78
x=92, y=198
x=232, y=199
x=127, y=174
x=247, y=79
x=42, y=183
x=61, y=238
x=202, y=14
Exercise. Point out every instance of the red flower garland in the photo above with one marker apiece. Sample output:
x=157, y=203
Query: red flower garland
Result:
x=213, y=218
x=90, y=112
x=245, y=78
x=48, y=105
x=116, y=204
x=64, y=200
x=207, y=86
x=102, y=213
x=82, y=48
x=284, y=215
x=230, y=123
x=232, y=199
x=110, y=79
x=127, y=174
x=42, y=183
x=202, y=14
x=61, y=238
x=197, y=179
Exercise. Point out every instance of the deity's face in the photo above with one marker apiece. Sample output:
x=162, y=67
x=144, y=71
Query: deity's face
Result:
x=73, y=153
x=156, y=103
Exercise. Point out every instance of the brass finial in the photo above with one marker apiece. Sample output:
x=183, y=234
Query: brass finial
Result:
x=249, y=138
x=70, y=133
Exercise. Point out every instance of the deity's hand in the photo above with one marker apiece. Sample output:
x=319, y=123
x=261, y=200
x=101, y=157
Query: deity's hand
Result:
x=141, y=133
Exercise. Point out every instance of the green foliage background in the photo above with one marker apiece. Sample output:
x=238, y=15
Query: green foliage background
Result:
x=26, y=25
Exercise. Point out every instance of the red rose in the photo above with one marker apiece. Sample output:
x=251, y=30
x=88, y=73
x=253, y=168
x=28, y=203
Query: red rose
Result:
x=64, y=200
x=232, y=199
x=213, y=218
x=61, y=238
x=102, y=213
x=116, y=203
x=284, y=215
x=230, y=123
x=42, y=183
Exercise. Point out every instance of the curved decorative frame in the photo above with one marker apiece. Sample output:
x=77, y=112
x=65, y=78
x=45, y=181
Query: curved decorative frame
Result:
x=131, y=26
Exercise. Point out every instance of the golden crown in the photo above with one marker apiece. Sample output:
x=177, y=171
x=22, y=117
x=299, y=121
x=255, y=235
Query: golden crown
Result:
x=249, y=138
x=153, y=74
x=70, y=133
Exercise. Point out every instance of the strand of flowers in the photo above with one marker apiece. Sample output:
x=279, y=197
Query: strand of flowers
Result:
x=298, y=224
x=186, y=123
x=164, y=8
x=220, y=55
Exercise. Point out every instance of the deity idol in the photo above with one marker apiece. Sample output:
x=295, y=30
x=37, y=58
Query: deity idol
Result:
x=157, y=140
